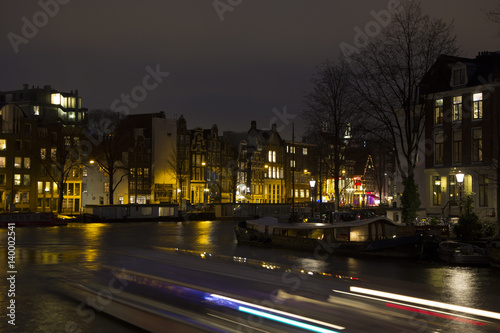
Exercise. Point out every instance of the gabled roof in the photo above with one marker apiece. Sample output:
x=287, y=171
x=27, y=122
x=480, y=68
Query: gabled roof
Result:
x=485, y=68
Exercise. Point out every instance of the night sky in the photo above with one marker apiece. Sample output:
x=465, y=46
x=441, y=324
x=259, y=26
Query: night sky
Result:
x=226, y=68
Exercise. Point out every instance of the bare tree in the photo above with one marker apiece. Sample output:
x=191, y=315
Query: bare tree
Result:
x=178, y=167
x=329, y=114
x=388, y=72
x=110, y=138
x=493, y=15
x=62, y=157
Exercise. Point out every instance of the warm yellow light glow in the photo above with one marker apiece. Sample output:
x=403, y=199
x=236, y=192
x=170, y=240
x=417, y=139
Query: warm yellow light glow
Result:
x=305, y=170
x=55, y=99
x=460, y=177
x=91, y=161
x=203, y=163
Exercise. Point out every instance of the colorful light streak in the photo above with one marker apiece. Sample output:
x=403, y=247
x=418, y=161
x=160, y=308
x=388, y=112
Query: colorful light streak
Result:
x=426, y=302
x=284, y=320
x=436, y=314
x=283, y=313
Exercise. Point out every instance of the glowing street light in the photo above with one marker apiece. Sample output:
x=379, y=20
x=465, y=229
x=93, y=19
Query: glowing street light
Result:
x=460, y=180
x=312, y=183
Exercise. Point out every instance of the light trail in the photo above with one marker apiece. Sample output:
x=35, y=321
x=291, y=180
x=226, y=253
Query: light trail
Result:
x=447, y=306
x=284, y=320
x=283, y=313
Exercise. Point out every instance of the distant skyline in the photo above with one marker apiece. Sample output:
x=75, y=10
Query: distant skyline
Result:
x=226, y=64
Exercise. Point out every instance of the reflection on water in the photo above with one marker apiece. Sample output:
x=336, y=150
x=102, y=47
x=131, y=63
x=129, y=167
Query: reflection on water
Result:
x=42, y=255
x=205, y=232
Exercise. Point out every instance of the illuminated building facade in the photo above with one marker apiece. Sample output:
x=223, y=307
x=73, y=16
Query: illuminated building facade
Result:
x=39, y=126
x=463, y=125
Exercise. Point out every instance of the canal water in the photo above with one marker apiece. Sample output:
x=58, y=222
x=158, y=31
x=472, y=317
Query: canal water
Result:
x=45, y=255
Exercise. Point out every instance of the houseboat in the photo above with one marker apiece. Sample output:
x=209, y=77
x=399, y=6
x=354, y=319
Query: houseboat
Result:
x=31, y=219
x=372, y=236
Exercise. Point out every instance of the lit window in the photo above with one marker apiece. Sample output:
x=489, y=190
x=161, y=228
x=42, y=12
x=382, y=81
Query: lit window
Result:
x=17, y=179
x=457, y=108
x=17, y=162
x=2, y=162
x=43, y=153
x=270, y=156
x=3, y=144
x=478, y=105
x=304, y=151
x=292, y=163
x=438, y=111
x=36, y=110
x=436, y=191
x=274, y=156
x=56, y=99
x=106, y=187
x=53, y=154
x=27, y=163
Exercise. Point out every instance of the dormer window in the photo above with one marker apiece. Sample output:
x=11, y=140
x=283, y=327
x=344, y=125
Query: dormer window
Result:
x=458, y=75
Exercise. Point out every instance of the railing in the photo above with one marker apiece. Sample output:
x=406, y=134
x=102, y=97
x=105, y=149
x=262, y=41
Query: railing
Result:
x=487, y=212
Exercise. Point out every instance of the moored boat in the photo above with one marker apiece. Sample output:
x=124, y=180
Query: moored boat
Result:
x=458, y=253
x=493, y=253
x=31, y=219
x=373, y=236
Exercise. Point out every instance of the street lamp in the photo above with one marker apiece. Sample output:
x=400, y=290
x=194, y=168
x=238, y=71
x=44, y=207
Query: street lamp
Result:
x=460, y=180
x=205, y=199
x=312, y=183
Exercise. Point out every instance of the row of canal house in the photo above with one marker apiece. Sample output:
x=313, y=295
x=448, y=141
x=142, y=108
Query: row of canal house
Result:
x=162, y=161
x=169, y=163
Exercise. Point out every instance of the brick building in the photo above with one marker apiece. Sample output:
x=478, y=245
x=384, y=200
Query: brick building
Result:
x=462, y=130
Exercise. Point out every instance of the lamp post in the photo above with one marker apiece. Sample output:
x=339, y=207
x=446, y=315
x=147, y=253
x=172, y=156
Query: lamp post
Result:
x=312, y=183
x=460, y=180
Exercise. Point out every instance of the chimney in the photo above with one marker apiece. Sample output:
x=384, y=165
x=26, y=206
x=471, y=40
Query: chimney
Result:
x=254, y=125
